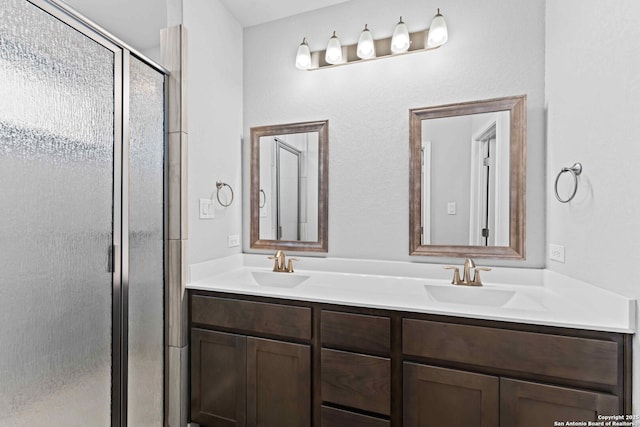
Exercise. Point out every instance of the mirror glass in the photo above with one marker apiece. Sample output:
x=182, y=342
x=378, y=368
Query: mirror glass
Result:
x=288, y=186
x=467, y=179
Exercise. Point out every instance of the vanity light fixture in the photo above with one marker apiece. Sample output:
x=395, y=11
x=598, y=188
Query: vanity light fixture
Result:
x=400, y=41
x=334, y=50
x=303, y=57
x=366, y=47
x=438, y=34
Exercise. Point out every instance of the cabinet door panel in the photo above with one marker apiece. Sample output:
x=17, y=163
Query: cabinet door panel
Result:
x=435, y=397
x=526, y=404
x=278, y=384
x=218, y=379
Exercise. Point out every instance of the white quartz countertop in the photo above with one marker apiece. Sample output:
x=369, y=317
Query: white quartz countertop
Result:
x=533, y=296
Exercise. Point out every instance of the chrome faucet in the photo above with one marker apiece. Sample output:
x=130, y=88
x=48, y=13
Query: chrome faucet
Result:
x=466, y=273
x=280, y=265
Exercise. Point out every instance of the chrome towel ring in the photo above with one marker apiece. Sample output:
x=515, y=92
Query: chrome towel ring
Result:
x=263, y=197
x=574, y=170
x=219, y=186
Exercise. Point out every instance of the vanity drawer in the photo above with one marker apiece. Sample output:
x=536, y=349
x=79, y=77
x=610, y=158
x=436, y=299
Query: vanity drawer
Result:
x=332, y=417
x=580, y=359
x=251, y=316
x=356, y=380
x=355, y=332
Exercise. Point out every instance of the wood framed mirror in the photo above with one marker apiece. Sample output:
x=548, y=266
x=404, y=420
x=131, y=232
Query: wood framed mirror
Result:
x=289, y=186
x=467, y=179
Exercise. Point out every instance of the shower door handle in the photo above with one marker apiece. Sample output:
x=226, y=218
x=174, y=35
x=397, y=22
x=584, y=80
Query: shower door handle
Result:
x=111, y=253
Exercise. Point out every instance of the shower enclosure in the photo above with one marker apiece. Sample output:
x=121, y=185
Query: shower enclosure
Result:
x=82, y=161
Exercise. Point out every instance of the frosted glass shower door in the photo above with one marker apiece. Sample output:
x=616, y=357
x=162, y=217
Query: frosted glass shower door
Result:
x=57, y=148
x=146, y=247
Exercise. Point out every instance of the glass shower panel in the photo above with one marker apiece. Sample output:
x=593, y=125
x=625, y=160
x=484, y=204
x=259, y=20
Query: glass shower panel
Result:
x=146, y=257
x=56, y=226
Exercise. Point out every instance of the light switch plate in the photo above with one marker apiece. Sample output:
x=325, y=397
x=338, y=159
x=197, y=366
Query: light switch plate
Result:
x=451, y=208
x=207, y=209
x=233, y=240
x=556, y=253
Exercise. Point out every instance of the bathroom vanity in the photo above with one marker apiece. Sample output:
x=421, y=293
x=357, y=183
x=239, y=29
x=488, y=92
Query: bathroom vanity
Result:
x=266, y=355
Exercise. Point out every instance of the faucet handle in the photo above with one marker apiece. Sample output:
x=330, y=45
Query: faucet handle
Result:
x=456, y=274
x=476, y=276
x=290, y=264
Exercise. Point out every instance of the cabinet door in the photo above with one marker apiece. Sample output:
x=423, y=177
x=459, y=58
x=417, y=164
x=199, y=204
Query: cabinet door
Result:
x=278, y=384
x=218, y=379
x=445, y=397
x=526, y=404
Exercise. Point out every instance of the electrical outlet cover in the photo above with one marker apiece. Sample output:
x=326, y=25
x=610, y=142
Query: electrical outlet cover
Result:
x=556, y=253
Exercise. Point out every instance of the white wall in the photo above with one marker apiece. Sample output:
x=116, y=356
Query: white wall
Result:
x=593, y=102
x=450, y=178
x=496, y=49
x=215, y=123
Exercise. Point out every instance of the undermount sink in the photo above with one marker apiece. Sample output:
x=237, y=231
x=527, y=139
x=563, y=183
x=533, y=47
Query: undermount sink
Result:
x=477, y=295
x=278, y=280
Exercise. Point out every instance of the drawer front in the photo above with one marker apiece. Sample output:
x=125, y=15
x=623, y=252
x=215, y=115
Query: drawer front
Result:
x=332, y=417
x=251, y=316
x=356, y=332
x=356, y=380
x=580, y=359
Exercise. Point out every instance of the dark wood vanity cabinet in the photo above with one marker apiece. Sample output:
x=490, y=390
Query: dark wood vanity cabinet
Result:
x=239, y=379
x=258, y=361
x=560, y=377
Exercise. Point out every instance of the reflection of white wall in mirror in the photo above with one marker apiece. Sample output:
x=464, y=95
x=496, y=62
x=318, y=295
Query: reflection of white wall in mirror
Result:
x=466, y=196
x=450, y=178
x=426, y=191
x=308, y=145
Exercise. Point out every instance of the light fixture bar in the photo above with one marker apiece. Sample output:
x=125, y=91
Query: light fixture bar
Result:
x=383, y=50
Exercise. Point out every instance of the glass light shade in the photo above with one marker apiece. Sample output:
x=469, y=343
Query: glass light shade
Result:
x=366, y=48
x=438, y=34
x=400, y=40
x=303, y=57
x=333, y=54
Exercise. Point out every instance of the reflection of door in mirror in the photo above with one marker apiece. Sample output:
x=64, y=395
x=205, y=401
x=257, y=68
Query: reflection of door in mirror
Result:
x=488, y=219
x=288, y=160
x=290, y=185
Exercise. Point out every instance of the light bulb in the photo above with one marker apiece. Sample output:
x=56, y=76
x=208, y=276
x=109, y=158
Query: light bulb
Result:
x=334, y=50
x=400, y=41
x=438, y=34
x=366, y=48
x=303, y=57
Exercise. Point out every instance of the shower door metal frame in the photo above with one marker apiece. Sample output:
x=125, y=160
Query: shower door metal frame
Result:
x=120, y=247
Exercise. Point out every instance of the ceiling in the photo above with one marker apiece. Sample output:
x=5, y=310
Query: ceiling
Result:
x=138, y=22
